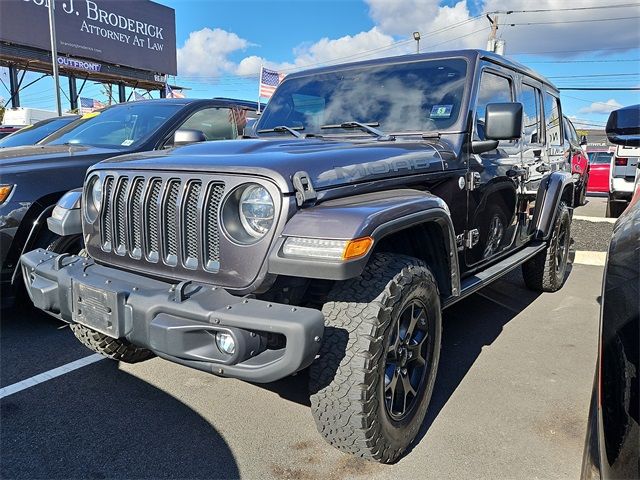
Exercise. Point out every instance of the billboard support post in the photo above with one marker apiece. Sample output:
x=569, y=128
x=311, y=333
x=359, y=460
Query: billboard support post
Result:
x=54, y=55
x=14, y=86
x=73, y=92
x=122, y=94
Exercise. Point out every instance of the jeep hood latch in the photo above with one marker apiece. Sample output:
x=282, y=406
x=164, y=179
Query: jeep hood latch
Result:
x=305, y=193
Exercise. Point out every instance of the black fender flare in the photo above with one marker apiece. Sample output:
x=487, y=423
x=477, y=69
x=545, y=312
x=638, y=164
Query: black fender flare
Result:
x=552, y=189
x=374, y=215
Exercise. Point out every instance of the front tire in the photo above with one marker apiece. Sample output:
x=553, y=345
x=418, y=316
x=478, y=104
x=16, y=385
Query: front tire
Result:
x=373, y=380
x=547, y=270
x=115, y=349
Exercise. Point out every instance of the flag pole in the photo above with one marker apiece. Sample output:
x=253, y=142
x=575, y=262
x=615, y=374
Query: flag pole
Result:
x=259, y=80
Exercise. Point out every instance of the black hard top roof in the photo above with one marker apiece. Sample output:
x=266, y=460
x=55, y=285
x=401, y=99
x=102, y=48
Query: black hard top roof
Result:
x=223, y=102
x=473, y=55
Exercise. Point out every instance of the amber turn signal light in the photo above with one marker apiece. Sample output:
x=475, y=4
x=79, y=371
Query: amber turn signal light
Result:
x=5, y=190
x=357, y=248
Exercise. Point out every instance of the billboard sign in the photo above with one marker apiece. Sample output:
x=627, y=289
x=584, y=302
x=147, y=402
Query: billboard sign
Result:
x=140, y=34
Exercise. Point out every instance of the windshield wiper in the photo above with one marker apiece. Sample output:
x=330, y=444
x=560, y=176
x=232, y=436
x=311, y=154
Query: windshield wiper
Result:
x=282, y=129
x=365, y=127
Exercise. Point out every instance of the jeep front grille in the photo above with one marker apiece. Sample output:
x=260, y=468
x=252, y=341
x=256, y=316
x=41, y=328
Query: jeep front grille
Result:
x=172, y=220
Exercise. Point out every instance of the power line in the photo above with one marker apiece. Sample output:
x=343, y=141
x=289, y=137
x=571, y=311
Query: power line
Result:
x=598, y=7
x=568, y=21
x=587, y=61
x=626, y=89
x=596, y=75
x=573, y=51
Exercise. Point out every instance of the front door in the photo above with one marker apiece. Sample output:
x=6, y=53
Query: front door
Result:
x=492, y=188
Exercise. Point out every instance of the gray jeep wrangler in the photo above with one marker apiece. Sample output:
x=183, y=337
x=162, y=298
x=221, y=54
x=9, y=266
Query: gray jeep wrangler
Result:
x=374, y=195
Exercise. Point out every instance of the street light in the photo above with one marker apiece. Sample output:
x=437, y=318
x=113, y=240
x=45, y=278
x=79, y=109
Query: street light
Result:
x=416, y=37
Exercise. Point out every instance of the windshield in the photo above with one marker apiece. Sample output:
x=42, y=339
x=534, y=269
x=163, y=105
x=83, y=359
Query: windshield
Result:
x=410, y=97
x=124, y=125
x=32, y=135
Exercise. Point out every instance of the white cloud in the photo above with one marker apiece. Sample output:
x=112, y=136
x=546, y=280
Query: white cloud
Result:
x=601, y=107
x=206, y=52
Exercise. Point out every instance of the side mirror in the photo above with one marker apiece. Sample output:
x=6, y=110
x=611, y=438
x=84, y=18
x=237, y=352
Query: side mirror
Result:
x=503, y=121
x=188, y=135
x=623, y=126
x=583, y=141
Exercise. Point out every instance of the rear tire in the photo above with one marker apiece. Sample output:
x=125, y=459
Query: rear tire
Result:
x=115, y=349
x=372, y=382
x=546, y=271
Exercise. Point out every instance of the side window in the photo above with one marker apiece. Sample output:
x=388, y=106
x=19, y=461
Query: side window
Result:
x=552, y=120
x=493, y=89
x=531, y=120
x=215, y=123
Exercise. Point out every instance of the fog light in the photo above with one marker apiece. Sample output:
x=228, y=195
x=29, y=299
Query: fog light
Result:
x=226, y=343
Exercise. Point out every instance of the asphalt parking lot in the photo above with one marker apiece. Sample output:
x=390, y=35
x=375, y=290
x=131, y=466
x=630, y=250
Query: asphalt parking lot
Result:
x=510, y=401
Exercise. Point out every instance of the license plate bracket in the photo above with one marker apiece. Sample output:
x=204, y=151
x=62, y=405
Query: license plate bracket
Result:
x=98, y=308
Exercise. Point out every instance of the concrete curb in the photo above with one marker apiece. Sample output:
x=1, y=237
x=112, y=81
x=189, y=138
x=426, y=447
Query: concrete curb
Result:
x=586, y=257
x=595, y=219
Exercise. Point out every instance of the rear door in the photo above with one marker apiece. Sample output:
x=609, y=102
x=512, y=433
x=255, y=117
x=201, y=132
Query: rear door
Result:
x=556, y=145
x=534, y=155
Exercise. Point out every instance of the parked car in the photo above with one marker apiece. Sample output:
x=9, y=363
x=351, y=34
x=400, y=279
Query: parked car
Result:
x=600, y=166
x=6, y=130
x=31, y=135
x=376, y=194
x=23, y=116
x=613, y=431
x=624, y=166
x=35, y=177
x=580, y=166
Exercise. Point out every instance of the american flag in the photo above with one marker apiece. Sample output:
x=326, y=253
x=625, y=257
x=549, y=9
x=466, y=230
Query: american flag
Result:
x=269, y=80
x=89, y=104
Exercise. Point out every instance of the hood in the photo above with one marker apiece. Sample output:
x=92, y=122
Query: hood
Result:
x=44, y=155
x=328, y=163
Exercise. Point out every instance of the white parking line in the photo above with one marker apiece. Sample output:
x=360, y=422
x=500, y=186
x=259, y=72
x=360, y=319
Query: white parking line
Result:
x=586, y=257
x=595, y=219
x=48, y=375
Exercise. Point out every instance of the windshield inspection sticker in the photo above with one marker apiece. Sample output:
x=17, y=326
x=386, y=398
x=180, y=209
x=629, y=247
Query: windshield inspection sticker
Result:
x=441, y=111
x=126, y=143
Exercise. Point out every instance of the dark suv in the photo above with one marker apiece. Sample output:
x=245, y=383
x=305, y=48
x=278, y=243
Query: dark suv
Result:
x=377, y=194
x=35, y=177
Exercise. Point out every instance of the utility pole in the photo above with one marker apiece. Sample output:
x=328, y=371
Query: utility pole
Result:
x=54, y=54
x=491, y=42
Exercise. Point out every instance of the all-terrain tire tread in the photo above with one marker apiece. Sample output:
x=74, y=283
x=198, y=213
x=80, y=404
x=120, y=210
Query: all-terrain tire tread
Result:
x=343, y=400
x=539, y=272
x=116, y=349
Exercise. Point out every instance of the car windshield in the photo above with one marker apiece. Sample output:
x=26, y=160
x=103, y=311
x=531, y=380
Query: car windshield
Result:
x=32, y=135
x=122, y=126
x=600, y=157
x=410, y=97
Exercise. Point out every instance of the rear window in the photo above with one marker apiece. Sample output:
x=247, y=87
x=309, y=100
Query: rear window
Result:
x=600, y=157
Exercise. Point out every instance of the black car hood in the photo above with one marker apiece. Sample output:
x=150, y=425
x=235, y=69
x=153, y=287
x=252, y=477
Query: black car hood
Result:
x=24, y=157
x=329, y=163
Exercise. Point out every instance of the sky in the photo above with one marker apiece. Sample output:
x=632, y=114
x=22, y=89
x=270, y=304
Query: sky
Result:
x=222, y=43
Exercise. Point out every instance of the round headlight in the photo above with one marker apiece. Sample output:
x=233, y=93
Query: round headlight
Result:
x=93, y=198
x=256, y=210
x=95, y=193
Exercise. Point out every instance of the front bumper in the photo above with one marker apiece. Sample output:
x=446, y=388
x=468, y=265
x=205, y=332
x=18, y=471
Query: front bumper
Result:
x=176, y=322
